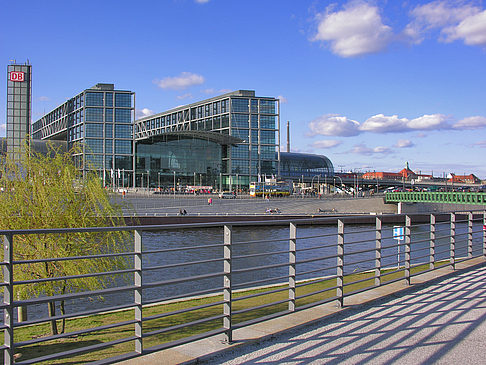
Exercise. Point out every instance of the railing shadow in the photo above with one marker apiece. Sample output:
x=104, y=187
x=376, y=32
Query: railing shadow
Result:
x=423, y=327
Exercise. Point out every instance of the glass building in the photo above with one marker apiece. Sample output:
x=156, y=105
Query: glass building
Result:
x=226, y=142
x=99, y=121
x=19, y=111
x=304, y=166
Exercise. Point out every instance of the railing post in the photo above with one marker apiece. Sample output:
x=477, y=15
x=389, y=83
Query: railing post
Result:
x=8, y=299
x=408, y=223
x=484, y=233
x=227, y=292
x=292, y=268
x=340, y=265
x=453, y=242
x=378, y=252
x=432, y=243
x=137, y=262
x=470, y=235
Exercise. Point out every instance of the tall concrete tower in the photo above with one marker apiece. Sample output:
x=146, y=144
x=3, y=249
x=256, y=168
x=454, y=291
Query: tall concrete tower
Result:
x=19, y=107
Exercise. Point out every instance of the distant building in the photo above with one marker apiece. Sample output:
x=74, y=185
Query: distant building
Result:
x=19, y=110
x=463, y=179
x=405, y=173
x=100, y=120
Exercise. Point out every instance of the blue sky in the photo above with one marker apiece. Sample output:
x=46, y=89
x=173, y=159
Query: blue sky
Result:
x=370, y=84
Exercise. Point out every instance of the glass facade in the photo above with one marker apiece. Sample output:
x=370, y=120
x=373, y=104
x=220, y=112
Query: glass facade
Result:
x=251, y=120
x=188, y=160
x=296, y=165
x=19, y=98
x=99, y=119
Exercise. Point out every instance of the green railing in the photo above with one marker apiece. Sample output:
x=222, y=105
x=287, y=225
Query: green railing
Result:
x=436, y=197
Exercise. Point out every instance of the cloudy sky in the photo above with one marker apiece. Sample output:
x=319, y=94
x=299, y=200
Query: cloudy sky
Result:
x=370, y=84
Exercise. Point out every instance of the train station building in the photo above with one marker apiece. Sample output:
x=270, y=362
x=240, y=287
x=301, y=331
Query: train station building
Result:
x=225, y=142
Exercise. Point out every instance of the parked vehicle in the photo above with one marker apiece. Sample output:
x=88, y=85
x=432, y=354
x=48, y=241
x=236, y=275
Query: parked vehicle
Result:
x=227, y=195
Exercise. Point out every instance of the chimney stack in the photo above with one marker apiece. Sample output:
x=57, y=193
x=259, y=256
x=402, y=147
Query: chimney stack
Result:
x=288, y=136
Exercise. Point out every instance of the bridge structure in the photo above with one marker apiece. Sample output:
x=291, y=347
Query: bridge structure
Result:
x=436, y=197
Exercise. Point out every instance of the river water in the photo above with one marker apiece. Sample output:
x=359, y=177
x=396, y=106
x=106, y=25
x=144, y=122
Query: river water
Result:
x=312, y=241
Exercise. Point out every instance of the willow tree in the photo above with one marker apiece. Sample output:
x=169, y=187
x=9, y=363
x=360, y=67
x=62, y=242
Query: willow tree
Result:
x=48, y=191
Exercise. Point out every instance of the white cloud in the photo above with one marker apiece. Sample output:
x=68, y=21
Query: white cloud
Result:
x=429, y=121
x=404, y=143
x=145, y=112
x=472, y=30
x=201, y=1
x=326, y=143
x=282, y=99
x=354, y=31
x=382, y=124
x=334, y=125
x=454, y=20
x=183, y=81
x=3, y=127
x=184, y=96
x=44, y=98
x=362, y=149
x=471, y=123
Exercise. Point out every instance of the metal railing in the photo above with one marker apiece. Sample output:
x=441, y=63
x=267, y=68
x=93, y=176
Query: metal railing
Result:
x=436, y=197
x=213, y=278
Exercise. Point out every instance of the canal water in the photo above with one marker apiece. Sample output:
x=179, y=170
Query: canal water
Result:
x=251, y=248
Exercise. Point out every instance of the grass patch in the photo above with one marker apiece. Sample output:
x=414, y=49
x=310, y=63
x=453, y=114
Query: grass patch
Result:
x=311, y=291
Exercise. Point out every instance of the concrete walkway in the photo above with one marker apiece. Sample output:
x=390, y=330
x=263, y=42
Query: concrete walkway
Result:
x=439, y=319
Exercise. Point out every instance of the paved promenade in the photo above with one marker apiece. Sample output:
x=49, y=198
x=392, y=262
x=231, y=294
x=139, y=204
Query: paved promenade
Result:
x=439, y=319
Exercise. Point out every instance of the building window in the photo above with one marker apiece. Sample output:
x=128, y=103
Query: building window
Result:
x=94, y=114
x=94, y=99
x=123, y=115
x=123, y=131
x=94, y=130
x=239, y=105
x=123, y=147
x=123, y=100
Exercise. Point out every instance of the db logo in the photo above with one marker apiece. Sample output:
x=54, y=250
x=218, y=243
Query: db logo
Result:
x=16, y=76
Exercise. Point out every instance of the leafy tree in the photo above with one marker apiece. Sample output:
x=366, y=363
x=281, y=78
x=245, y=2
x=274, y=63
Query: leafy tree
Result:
x=48, y=191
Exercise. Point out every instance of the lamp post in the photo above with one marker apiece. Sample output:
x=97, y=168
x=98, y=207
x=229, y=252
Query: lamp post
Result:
x=148, y=181
x=194, y=179
x=174, y=183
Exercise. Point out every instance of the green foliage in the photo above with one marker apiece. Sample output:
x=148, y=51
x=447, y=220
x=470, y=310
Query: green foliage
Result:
x=47, y=191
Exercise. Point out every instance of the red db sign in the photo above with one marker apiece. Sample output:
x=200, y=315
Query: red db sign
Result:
x=16, y=76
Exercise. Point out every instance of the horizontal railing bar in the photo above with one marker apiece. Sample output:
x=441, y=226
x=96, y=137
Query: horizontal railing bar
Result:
x=306, y=282
x=180, y=311
x=75, y=315
x=315, y=292
x=401, y=269
x=240, y=271
x=261, y=319
x=183, y=341
x=259, y=241
x=213, y=291
x=359, y=252
x=315, y=304
x=78, y=351
x=266, y=305
x=353, y=263
x=320, y=258
x=154, y=284
x=74, y=333
x=247, y=283
x=185, y=248
x=179, y=326
x=180, y=264
x=332, y=244
x=316, y=236
x=61, y=278
x=74, y=296
x=359, y=232
x=358, y=281
x=255, y=295
x=260, y=254
x=348, y=243
x=71, y=258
